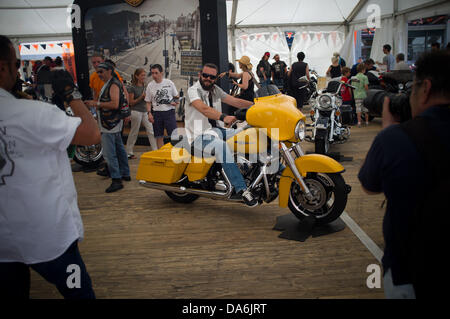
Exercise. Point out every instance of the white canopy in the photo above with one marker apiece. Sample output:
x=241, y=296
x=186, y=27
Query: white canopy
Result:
x=319, y=27
x=35, y=20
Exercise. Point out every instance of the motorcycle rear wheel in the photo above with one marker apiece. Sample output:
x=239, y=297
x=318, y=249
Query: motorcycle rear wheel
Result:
x=330, y=198
x=184, y=198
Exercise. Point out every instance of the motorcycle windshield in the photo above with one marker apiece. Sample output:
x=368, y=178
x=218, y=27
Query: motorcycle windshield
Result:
x=278, y=114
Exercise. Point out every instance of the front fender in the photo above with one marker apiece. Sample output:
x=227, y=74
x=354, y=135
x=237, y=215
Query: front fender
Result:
x=312, y=163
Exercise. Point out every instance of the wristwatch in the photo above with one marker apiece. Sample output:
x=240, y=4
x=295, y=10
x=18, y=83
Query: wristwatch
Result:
x=75, y=95
x=222, y=117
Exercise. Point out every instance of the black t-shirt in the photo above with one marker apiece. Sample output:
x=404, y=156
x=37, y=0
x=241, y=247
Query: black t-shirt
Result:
x=278, y=69
x=267, y=69
x=298, y=70
x=335, y=71
x=393, y=166
x=44, y=75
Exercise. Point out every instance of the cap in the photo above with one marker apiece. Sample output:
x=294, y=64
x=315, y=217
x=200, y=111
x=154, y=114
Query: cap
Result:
x=268, y=54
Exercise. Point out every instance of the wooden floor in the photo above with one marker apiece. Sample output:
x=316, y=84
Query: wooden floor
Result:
x=140, y=244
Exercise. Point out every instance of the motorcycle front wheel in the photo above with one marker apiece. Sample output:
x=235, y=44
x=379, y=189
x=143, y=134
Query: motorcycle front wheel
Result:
x=329, y=198
x=89, y=156
x=321, y=145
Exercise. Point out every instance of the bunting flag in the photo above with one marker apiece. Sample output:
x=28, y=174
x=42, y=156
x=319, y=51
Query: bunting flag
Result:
x=251, y=37
x=27, y=46
x=20, y=47
x=334, y=37
x=327, y=37
x=258, y=36
x=267, y=37
x=36, y=46
x=51, y=45
x=44, y=46
x=289, y=38
x=304, y=36
x=355, y=35
x=60, y=44
x=319, y=35
x=311, y=35
x=275, y=36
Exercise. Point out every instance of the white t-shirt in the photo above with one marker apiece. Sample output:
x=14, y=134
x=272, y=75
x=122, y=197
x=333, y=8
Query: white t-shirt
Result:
x=39, y=215
x=161, y=95
x=195, y=122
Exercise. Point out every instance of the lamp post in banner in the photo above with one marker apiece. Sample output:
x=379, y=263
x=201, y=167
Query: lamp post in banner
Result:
x=289, y=39
x=165, y=52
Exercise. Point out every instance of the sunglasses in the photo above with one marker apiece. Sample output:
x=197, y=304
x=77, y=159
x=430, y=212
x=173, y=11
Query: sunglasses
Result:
x=206, y=75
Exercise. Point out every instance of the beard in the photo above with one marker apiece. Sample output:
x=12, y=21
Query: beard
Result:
x=206, y=86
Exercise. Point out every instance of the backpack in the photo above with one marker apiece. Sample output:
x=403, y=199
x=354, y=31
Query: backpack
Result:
x=426, y=243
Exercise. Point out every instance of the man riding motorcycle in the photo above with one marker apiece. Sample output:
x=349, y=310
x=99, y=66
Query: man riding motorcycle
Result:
x=205, y=126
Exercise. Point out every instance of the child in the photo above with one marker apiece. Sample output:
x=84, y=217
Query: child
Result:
x=346, y=92
x=362, y=86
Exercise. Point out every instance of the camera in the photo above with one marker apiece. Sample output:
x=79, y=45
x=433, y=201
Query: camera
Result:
x=398, y=104
x=398, y=85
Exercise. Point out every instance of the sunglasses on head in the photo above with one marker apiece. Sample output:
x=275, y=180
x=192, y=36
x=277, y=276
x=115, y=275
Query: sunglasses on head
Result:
x=206, y=75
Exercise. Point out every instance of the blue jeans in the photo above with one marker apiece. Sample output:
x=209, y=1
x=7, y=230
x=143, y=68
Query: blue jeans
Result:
x=279, y=83
x=15, y=277
x=208, y=143
x=397, y=292
x=263, y=82
x=115, y=155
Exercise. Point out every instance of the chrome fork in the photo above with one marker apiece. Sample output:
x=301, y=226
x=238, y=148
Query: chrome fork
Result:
x=291, y=163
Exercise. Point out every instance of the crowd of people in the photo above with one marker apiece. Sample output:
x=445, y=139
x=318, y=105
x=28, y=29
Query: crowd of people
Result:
x=40, y=135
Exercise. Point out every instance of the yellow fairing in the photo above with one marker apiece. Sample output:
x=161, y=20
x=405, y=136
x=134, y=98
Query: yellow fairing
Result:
x=250, y=141
x=198, y=168
x=313, y=163
x=278, y=114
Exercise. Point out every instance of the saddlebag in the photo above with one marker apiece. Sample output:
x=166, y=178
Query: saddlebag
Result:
x=165, y=165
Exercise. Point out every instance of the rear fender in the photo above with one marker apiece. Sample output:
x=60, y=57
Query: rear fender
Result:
x=312, y=163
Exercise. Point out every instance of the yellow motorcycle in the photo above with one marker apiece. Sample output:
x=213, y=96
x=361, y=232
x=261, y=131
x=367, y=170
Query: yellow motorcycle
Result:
x=268, y=153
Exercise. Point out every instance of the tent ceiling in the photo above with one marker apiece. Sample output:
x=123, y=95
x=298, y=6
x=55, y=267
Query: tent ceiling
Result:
x=260, y=12
x=47, y=19
x=35, y=19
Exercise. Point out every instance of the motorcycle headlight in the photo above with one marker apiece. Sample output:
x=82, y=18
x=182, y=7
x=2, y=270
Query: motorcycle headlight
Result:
x=338, y=101
x=324, y=102
x=300, y=130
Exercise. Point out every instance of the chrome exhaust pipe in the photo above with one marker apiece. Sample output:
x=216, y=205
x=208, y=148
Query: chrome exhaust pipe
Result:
x=181, y=189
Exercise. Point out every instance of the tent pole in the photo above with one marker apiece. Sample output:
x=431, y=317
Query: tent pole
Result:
x=233, y=30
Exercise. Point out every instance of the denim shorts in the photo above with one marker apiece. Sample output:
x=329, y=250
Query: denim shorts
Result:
x=164, y=120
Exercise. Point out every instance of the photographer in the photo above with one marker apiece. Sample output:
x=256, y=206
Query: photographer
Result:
x=408, y=162
x=40, y=220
